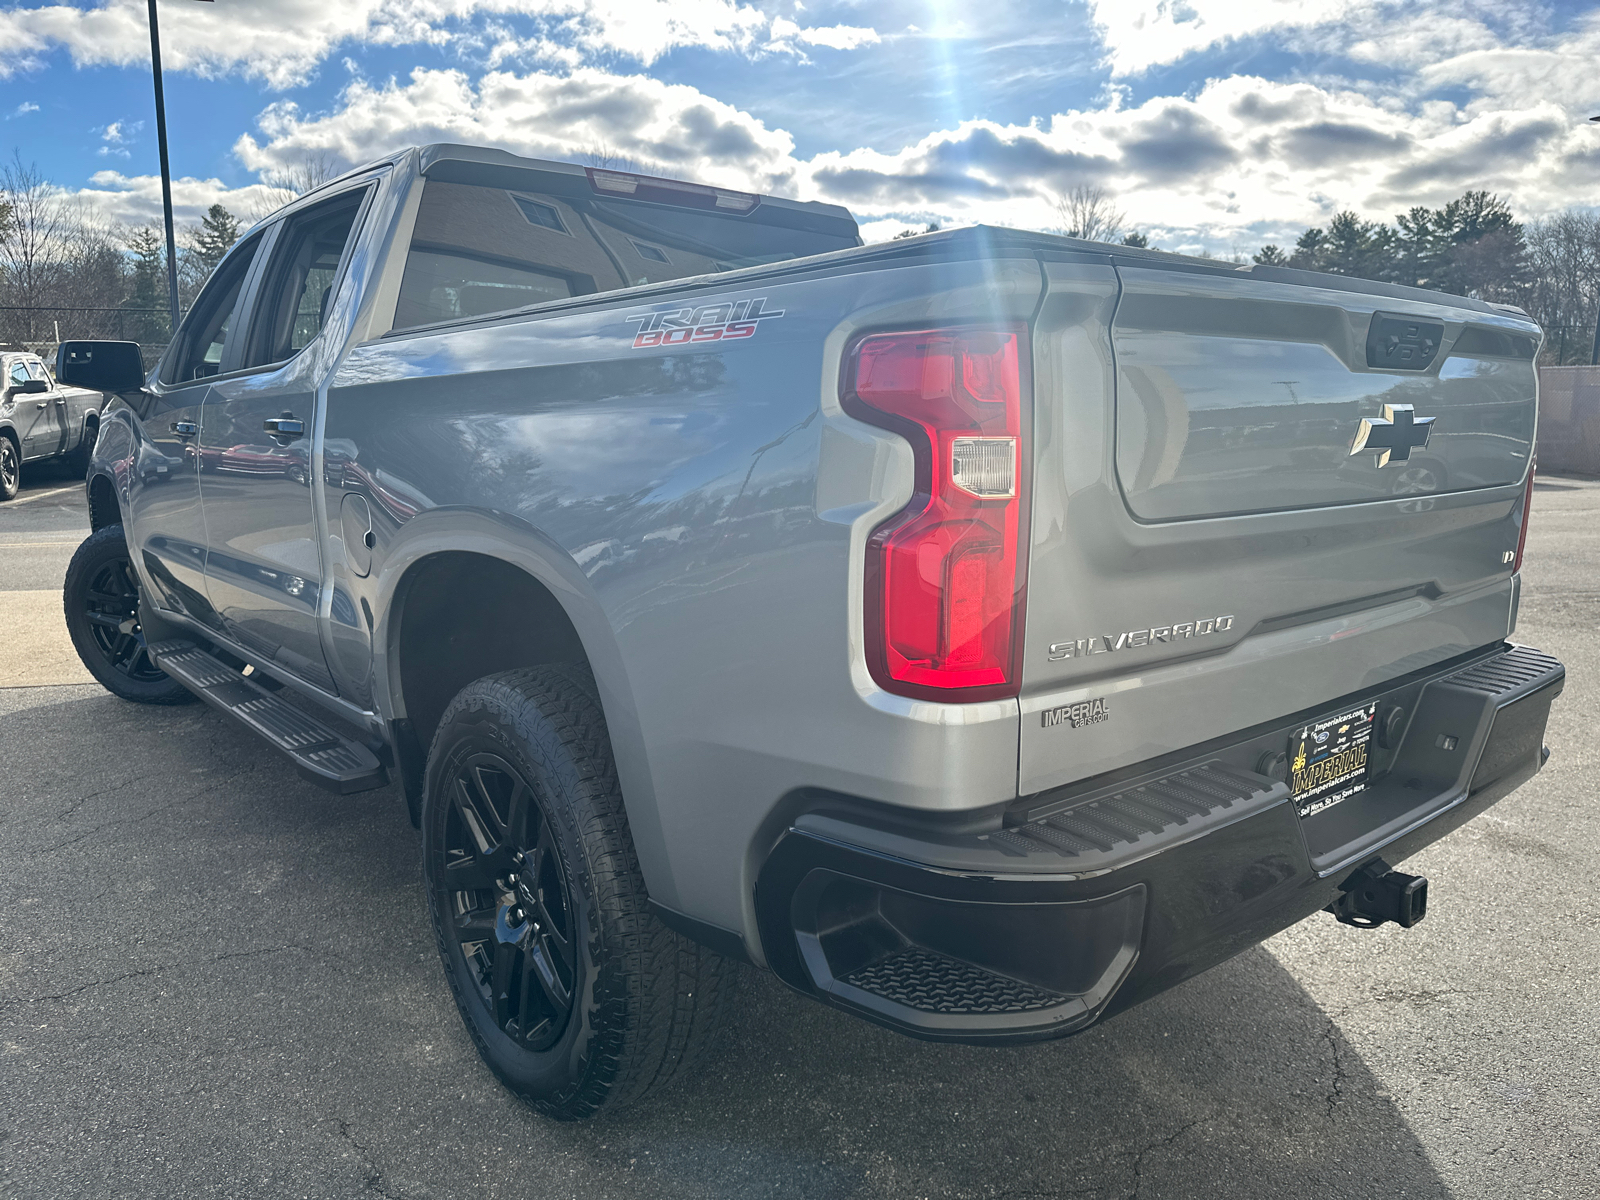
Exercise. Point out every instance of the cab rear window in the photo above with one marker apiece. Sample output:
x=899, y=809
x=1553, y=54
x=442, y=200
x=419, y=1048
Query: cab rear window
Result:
x=480, y=250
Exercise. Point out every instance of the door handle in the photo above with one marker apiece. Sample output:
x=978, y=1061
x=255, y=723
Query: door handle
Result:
x=287, y=425
x=42, y=404
x=185, y=428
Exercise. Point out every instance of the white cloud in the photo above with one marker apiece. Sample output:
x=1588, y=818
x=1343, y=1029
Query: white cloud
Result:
x=1404, y=34
x=23, y=109
x=670, y=128
x=119, y=199
x=1140, y=34
x=284, y=41
x=785, y=33
x=1243, y=159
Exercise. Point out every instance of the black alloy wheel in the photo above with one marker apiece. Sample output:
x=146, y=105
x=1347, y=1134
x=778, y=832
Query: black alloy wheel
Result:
x=575, y=994
x=101, y=603
x=507, y=896
x=111, y=607
x=10, y=469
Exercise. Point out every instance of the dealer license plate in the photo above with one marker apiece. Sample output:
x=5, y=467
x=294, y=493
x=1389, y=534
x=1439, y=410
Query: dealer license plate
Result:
x=1328, y=759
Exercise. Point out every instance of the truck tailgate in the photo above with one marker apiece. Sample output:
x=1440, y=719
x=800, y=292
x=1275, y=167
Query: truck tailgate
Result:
x=1207, y=552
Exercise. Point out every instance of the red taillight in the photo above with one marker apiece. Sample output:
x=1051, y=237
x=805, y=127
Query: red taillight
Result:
x=1527, y=507
x=945, y=575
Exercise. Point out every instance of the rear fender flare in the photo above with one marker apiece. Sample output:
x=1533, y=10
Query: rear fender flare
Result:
x=519, y=544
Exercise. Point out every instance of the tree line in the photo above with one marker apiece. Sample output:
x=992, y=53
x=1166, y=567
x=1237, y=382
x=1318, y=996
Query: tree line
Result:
x=1473, y=246
x=64, y=269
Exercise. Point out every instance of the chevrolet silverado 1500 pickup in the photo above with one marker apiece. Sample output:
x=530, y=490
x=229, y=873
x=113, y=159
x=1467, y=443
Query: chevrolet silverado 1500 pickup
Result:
x=983, y=631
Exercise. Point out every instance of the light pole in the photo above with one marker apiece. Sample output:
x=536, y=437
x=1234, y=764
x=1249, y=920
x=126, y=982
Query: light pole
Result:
x=1594, y=353
x=166, y=171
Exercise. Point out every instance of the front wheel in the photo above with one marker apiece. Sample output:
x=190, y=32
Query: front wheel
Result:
x=10, y=469
x=101, y=599
x=576, y=996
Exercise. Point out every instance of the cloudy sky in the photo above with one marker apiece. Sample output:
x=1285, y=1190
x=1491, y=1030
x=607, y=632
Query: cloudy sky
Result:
x=1217, y=124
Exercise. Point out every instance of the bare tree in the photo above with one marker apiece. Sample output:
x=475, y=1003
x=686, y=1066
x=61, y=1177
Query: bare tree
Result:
x=605, y=157
x=285, y=183
x=34, y=242
x=1087, y=211
x=1564, y=292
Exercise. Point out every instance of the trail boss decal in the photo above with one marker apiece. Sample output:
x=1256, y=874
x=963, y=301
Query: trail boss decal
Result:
x=723, y=322
x=1105, y=643
x=1087, y=712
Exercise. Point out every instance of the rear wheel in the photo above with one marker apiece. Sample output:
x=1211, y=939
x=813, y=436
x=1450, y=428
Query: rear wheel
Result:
x=101, y=601
x=576, y=996
x=83, y=455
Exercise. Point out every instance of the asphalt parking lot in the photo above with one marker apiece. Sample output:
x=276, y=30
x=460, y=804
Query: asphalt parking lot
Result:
x=217, y=980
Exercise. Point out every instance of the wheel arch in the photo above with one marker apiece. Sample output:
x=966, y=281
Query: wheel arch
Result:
x=471, y=576
x=103, y=507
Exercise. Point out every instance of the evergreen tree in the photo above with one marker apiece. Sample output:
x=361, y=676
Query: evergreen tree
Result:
x=147, y=288
x=215, y=236
x=1473, y=246
x=1309, y=250
x=1270, y=256
x=1137, y=240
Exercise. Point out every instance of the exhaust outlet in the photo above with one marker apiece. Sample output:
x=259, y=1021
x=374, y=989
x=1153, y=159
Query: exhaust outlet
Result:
x=1377, y=893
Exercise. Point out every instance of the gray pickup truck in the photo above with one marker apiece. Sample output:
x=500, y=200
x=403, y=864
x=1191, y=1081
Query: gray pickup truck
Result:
x=40, y=419
x=983, y=631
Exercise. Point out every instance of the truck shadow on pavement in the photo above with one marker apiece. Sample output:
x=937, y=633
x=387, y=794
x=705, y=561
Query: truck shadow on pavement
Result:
x=211, y=973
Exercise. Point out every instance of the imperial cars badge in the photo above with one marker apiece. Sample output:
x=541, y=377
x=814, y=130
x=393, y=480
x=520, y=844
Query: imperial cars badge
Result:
x=1075, y=716
x=1394, y=435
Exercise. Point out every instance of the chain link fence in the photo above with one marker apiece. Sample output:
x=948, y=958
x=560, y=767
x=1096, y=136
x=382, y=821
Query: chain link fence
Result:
x=41, y=330
x=1569, y=420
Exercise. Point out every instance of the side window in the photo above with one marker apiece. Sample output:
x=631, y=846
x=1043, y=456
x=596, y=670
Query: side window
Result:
x=298, y=286
x=478, y=250
x=36, y=369
x=481, y=248
x=204, y=336
x=18, y=375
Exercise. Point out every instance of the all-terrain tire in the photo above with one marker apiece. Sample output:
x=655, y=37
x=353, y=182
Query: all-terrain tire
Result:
x=101, y=602
x=645, y=1000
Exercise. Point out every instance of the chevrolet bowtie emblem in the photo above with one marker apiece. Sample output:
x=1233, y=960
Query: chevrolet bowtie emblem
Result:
x=1395, y=434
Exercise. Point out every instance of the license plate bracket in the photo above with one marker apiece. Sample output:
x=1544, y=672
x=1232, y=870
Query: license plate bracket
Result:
x=1330, y=759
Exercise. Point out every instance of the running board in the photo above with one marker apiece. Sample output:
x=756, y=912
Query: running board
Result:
x=321, y=755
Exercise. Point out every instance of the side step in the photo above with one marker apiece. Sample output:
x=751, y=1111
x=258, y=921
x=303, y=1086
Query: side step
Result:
x=326, y=758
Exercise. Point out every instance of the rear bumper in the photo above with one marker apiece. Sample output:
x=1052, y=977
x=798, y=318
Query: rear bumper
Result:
x=1083, y=901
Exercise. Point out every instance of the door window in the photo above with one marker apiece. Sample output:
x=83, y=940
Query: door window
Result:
x=299, y=284
x=204, y=336
x=18, y=374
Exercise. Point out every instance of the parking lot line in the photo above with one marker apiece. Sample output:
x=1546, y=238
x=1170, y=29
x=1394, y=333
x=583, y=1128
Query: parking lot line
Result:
x=72, y=487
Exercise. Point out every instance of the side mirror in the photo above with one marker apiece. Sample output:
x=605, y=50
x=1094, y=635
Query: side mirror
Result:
x=32, y=386
x=100, y=366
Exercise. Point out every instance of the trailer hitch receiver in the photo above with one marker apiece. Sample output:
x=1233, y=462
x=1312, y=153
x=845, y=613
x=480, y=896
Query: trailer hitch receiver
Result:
x=1376, y=894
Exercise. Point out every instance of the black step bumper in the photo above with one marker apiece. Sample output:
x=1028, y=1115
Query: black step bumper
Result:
x=1078, y=903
